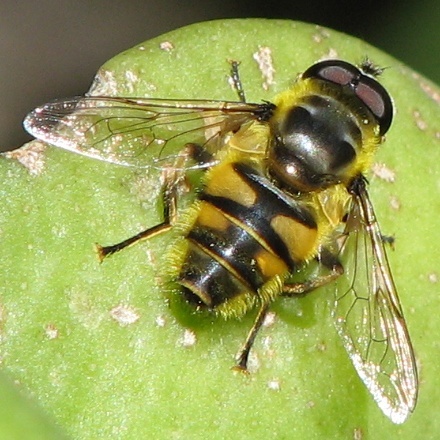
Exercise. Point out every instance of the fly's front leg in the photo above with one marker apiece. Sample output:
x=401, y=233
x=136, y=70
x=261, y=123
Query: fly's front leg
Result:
x=236, y=81
x=328, y=260
x=169, y=197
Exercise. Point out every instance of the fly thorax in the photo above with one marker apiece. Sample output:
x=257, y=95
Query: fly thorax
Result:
x=316, y=143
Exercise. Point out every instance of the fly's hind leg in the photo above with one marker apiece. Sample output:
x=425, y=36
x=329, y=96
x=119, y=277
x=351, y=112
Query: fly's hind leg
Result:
x=243, y=355
x=326, y=259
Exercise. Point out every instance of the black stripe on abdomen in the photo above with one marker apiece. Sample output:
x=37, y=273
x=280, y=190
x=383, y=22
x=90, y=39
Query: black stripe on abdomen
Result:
x=234, y=248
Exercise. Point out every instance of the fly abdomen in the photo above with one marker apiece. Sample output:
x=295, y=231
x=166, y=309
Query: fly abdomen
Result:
x=246, y=238
x=222, y=265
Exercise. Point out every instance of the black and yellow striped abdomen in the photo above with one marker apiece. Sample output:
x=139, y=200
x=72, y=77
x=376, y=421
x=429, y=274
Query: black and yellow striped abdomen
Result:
x=246, y=237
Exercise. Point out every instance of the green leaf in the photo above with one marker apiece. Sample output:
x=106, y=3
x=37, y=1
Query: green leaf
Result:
x=103, y=349
x=21, y=419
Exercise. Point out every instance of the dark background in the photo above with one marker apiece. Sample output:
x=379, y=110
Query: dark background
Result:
x=52, y=48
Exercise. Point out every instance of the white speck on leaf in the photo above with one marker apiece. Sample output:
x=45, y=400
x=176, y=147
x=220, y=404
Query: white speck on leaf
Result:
x=167, y=46
x=188, y=339
x=420, y=122
x=274, y=385
x=381, y=171
x=357, y=434
x=104, y=84
x=51, y=331
x=31, y=156
x=263, y=57
x=269, y=319
x=160, y=321
x=395, y=203
x=124, y=315
x=330, y=55
x=433, y=277
x=320, y=35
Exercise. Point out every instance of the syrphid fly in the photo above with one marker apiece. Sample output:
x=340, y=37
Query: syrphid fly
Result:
x=284, y=192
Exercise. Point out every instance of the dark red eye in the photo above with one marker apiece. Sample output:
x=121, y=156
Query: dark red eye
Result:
x=365, y=87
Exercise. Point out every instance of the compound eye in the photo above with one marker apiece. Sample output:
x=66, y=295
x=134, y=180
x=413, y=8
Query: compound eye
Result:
x=335, y=71
x=365, y=87
x=377, y=99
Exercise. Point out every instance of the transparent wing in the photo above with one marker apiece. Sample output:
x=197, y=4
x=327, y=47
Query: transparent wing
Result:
x=138, y=132
x=368, y=315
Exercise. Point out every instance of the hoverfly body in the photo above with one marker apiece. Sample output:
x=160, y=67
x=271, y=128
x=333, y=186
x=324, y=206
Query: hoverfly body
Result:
x=284, y=188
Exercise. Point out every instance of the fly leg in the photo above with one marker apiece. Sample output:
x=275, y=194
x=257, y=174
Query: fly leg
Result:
x=174, y=178
x=243, y=355
x=236, y=81
x=169, y=196
x=329, y=261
